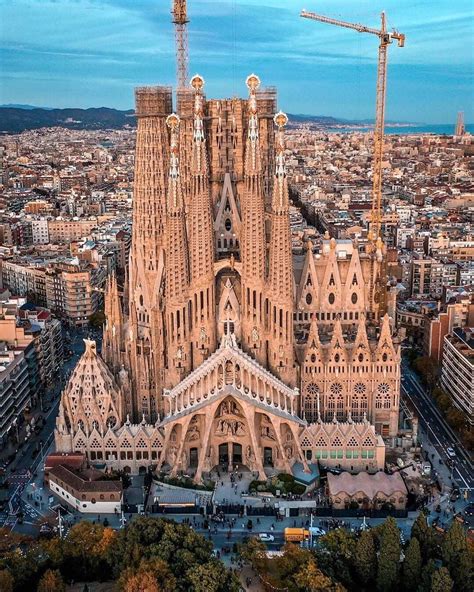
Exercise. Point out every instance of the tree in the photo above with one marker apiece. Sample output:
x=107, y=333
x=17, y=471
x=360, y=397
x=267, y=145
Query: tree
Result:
x=443, y=400
x=457, y=557
x=336, y=555
x=441, y=581
x=6, y=581
x=389, y=556
x=253, y=551
x=311, y=579
x=86, y=550
x=365, y=558
x=162, y=573
x=426, y=575
x=411, y=568
x=143, y=581
x=212, y=577
x=453, y=545
x=425, y=536
x=455, y=418
x=51, y=582
x=428, y=369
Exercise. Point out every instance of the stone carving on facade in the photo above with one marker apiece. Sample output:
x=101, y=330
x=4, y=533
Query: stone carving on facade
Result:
x=230, y=427
x=193, y=434
x=267, y=432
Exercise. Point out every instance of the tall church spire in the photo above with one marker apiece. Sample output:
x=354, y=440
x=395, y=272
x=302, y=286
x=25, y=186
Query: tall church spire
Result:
x=280, y=273
x=112, y=337
x=177, y=267
x=146, y=331
x=253, y=250
x=201, y=239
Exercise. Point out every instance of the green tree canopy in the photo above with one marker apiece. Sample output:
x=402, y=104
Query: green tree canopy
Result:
x=441, y=581
x=365, y=559
x=426, y=537
x=411, y=568
x=6, y=581
x=389, y=556
x=212, y=577
x=51, y=582
x=457, y=557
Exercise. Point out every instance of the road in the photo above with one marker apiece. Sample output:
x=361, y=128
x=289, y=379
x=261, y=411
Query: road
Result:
x=438, y=431
x=21, y=471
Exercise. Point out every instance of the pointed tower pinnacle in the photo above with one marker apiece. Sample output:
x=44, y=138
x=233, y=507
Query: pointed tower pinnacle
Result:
x=201, y=238
x=177, y=266
x=253, y=252
x=280, y=274
x=112, y=334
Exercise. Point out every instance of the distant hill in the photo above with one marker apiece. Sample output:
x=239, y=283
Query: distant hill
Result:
x=18, y=119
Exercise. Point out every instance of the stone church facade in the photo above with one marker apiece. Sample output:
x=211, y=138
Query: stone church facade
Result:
x=226, y=348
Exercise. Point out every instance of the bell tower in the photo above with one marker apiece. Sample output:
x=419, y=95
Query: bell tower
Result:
x=280, y=271
x=253, y=248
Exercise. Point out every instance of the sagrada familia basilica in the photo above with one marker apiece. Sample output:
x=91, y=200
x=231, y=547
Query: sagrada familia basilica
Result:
x=227, y=348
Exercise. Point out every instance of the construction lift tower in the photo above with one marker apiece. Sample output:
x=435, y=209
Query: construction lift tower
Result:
x=386, y=39
x=180, y=20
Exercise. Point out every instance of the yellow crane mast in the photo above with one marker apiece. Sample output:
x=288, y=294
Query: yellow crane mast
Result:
x=180, y=20
x=386, y=38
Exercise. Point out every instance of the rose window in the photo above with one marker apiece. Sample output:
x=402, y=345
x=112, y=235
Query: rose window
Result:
x=312, y=389
x=336, y=388
x=383, y=388
x=359, y=388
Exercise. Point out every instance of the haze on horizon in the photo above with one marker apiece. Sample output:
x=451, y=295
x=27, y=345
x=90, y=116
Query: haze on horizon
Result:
x=90, y=53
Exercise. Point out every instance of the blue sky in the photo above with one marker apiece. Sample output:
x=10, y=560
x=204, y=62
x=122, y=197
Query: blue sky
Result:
x=85, y=53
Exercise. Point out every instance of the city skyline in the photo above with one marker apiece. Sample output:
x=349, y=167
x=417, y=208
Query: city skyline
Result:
x=85, y=53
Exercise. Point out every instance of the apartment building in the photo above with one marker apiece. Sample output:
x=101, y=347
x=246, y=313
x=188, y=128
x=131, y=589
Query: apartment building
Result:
x=73, y=292
x=459, y=312
x=457, y=372
x=15, y=392
x=63, y=230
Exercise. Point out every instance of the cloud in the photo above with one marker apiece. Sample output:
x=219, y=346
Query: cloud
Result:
x=68, y=45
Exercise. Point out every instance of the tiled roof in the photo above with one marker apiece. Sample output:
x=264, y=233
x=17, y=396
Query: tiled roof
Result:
x=77, y=482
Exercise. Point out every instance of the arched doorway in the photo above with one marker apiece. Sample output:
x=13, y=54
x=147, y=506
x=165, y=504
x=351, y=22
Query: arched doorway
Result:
x=224, y=454
x=237, y=458
x=268, y=456
x=193, y=457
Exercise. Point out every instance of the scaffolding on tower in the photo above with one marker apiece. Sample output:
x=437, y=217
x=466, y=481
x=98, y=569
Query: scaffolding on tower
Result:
x=180, y=20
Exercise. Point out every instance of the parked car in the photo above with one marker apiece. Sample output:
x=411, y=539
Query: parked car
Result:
x=450, y=452
x=266, y=538
x=469, y=510
x=317, y=531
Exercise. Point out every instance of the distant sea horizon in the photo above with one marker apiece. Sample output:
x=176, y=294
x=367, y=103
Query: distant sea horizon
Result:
x=435, y=128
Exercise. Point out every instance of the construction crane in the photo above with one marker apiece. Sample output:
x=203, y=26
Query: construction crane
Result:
x=180, y=20
x=386, y=38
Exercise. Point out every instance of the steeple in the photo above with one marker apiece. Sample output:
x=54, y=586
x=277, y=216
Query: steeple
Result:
x=253, y=252
x=201, y=236
x=112, y=335
x=146, y=326
x=177, y=267
x=280, y=274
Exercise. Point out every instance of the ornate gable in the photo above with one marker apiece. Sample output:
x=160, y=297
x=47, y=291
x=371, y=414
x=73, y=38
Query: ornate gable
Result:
x=308, y=289
x=231, y=371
